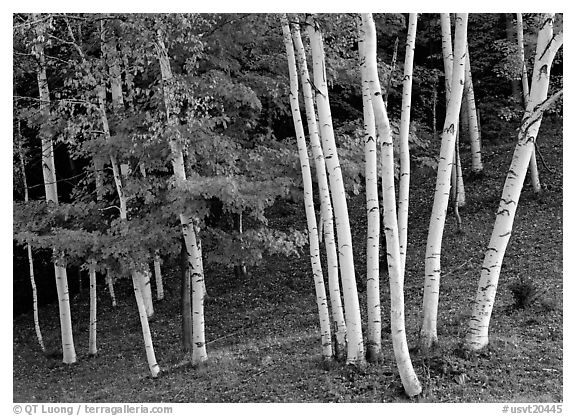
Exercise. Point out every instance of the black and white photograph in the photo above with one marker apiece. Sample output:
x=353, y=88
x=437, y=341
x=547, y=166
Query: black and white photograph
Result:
x=330, y=207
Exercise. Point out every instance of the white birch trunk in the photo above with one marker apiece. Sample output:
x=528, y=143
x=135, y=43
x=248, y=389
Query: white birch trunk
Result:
x=547, y=47
x=157, y=259
x=428, y=332
x=49, y=173
x=326, y=212
x=534, y=176
x=318, y=276
x=408, y=376
x=29, y=248
x=92, y=348
x=149, y=347
x=137, y=278
x=374, y=323
x=147, y=292
x=473, y=127
x=158, y=276
x=110, y=284
x=404, y=185
x=193, y=251
x=448, y=58
x=355, y=347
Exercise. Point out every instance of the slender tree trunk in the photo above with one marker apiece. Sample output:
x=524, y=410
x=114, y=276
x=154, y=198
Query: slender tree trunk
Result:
x=137, y=277
x=29, y=247
x=318, y=276
x=534, y=176
x=144, y=278
x=547, y=47
x=110, y=284
x=193, y=251
x=409, y=379
x=150, y=355
x=473, y=126
x=49, y=173
x=240, y=269
x=186, y=301
x=514, y=83
x=434, y=105
x=404, y=185
x=428, y=332
x=374, y=326
x=355, y=347
x=157, y=261
x=326, y=213
x=158, y=276
x=92, y=349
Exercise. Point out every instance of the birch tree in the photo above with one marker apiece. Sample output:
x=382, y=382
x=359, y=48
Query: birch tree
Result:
x=28, y=246
x=193, y=253
x=404, y=185
x=355, y=346
x=314, y=246
x=534, y=176
x=374, y=325
x=458, y=191
x=547, y=46
x=384, y=136
x=137, y=276
x=428, y=334
x=472, y=118
x=110, y=54
x=92, y=348
x=50, y=186
x=326, y=212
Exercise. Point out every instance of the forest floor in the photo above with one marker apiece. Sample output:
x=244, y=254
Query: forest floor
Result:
x=262, y=330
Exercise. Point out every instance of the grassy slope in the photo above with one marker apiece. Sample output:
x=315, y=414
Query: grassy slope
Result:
x=263, y=331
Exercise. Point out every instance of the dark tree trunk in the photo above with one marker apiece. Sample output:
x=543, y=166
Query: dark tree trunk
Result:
x=185, y=300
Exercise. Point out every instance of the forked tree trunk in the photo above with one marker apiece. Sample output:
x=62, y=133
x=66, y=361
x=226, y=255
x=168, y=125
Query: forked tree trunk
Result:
x=534, y=176
x=326, y=212
x=374, y=322
x=397, y=325
x=28, y=246
x=428, y=333
x=193, y=251
x=318, y=276
x=92, y=348
x=49, y=174
x=546, y=48
x=355, y=347
x=458, y=191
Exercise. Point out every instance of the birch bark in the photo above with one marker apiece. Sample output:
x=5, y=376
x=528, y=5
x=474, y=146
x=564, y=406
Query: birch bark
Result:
x=193, y=251
x=49, y=174
x=326, y=212
x=374, y=322
x=547, y=46
x=428, y=333
x=29, y=247
x=395, y=271
x=318, y=276
x=355, y=347
x=534, y=176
